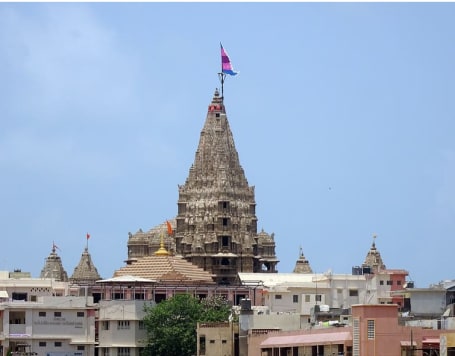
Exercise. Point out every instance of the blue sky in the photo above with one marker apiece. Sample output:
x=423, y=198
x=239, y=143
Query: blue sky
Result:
x=343, y=117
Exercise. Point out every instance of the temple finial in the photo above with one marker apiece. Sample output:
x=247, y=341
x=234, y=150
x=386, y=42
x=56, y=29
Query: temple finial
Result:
x=162, y=251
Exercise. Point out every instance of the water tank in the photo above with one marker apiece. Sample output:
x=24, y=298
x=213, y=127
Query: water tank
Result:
x=324, y=308
x=356, y=271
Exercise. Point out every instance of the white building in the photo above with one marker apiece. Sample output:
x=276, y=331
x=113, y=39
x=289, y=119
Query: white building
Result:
x=121, y=329
x=49, y=326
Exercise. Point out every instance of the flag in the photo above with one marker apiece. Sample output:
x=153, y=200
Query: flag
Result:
x=169, y=228
x=54, y=246
x=226, y=66
x=88, y=235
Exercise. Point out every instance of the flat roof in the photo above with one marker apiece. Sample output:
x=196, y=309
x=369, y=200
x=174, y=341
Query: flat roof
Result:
x=308, y=339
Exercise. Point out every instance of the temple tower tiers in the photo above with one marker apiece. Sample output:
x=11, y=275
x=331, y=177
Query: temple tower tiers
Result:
x=374, y=259
x=302, y=265
x=53, y=268
x=85, y=272
x=216, y=225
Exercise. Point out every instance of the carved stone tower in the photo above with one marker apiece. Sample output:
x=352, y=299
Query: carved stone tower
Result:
x=216, y=225
x=53, y=268
x=302, y=265
x=373, y=258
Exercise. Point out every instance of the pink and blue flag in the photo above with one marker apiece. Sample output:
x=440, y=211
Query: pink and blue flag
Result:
x=226, y=66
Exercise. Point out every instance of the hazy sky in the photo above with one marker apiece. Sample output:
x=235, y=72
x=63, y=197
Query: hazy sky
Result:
x=342, y=114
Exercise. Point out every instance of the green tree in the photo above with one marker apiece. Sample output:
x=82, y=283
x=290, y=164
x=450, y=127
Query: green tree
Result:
x=215, y=308
x=171, y=324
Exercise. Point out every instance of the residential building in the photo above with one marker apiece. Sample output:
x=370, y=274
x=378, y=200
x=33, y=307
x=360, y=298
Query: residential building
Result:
x=48, y=326
x=121, y=329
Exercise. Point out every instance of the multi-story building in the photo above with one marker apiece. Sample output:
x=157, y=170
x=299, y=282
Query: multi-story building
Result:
x=327, y=295
x=121, y=328
x=49, y=326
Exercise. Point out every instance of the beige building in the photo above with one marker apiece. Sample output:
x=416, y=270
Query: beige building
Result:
x=121, y=329
x=217, y=338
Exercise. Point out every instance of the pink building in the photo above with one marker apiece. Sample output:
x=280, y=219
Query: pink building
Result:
x=374, y=332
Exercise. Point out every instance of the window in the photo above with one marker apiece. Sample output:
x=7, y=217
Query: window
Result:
x=295, y=298
x=80, y=314
x=123, y=351
x=141, y=325
x=353, y=293
x=318, y=298
x=105, y=351
x=42, y=344
x=212, y=341
x=356, y=337
x=123, y=324
x=80, y=347
x=399, y=283
x=370, y=329
x=118, y=296
x=105, y=325
x=202, y=345
x=389, y=283
x=381, y=283
x=307, y=298
x=42, y=314
x=33, y=298
x=57, y=314
x=58, y=344
x=277, y=296
x=223, y=341
x=19, y=296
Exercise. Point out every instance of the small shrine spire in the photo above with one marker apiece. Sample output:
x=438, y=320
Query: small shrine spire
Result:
x=373, y=258
x=162, y=250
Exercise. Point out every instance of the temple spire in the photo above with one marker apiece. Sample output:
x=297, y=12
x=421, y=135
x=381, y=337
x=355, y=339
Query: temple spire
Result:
x=302, y=265
x=373, y=258
x=85, y=272
x=53, y=268
x=162, y=250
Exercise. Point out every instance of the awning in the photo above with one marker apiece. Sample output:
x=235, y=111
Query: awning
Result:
x=429, y=340
x=308, y=339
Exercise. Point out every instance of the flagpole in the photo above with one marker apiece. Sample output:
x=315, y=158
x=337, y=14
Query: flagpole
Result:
x=226, y=68
x=222, y=76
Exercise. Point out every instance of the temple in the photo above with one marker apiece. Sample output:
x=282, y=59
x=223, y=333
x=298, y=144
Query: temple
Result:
x=216, y=223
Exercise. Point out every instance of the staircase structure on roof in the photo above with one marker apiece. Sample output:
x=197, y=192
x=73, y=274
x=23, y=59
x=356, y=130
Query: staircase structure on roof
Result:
x=53, y=267
x=85, y=273
x=216, y=223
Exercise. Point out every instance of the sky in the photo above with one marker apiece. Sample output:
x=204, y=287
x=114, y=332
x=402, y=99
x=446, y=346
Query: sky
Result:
x=342, y=115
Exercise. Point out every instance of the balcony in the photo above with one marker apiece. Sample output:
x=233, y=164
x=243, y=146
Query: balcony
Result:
x=16, y=329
